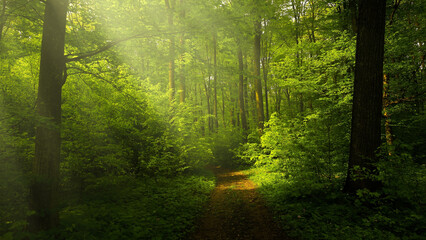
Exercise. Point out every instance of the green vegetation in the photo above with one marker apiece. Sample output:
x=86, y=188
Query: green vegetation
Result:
x=303, y=187
x=163, y=208
x=322, y=211
x=129, y=208
x=111, y=111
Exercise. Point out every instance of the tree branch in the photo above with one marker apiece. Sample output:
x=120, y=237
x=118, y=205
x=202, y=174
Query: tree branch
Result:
x=69, y=58
x=116, y=87
x=402, y=100
x=395, y=7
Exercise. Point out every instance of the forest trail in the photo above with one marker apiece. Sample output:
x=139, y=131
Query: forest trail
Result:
x=236, y=211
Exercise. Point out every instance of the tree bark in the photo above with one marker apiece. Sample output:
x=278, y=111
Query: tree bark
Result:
x=352, y=15
x=202, y=123
x=3, y=18
x=223, y=108
x=265, y=68
x=232, y=109
x=278, y=99
x=246, y=94
x=241, y=91
x=209, y=113
x=170, y=8
x=182, y=85
x=296, y=5
x=388, y=128
x=348, y=13
x=367, y=100
x=45, y=182
x=265, y=80
x=216, y=121
x=258, y=80
x=312, y=32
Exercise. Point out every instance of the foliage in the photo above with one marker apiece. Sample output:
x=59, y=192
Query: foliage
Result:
x=327, y=213
x=196, y=148
x=300, y=161
x=130, y=156
x=159, y=208
x=310, y=148
x=134, y=208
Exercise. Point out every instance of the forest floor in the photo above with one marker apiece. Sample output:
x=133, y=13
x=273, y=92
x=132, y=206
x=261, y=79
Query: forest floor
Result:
x=236, y=211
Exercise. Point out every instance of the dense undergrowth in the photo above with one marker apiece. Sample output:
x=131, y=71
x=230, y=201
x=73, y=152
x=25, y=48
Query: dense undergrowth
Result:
x=131, y=208
x=327, y=213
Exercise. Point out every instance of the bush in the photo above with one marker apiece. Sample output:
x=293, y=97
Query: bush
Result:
x=133, y=208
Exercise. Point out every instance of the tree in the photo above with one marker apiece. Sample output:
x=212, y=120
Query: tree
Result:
x=44, y=188
x=170, y=6
x=182, y=86
x=265, y=66
x=3, y=17
x=258, y=80
x=367, y=99
x=241, y=91
x=216, y=120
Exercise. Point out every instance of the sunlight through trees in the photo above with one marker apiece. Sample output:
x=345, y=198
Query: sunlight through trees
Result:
x=112, y=114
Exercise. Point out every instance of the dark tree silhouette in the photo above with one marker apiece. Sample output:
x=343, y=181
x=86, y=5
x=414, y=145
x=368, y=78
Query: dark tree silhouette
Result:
x=367, y=100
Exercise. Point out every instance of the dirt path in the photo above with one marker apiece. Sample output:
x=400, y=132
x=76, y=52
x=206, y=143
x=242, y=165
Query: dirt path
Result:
x=236, y=211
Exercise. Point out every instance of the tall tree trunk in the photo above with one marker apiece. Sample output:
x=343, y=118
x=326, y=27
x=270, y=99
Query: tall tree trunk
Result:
x=223, y=107
x=3, y=18
x=236, y=106
x=296, y=14
x=216, y=122
x=265, y=79
x=287, y=96
x=202, y=123
x=253, y=106
x=367, y=100
x=278, y=99
x=296, y=5
x=45, y=181
x=348, y=13
x=265, y=68
x=246, y=95
x=232, y=109
x=258, y=80
x=209, y=112
x=170, y=9
x=241, y=91
x=182, y=87
x=353, y=15
x=195, y=100
x=312, y=32
x=388, y=129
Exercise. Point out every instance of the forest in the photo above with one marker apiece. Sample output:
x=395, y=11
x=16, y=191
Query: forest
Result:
x=212, y=119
